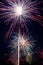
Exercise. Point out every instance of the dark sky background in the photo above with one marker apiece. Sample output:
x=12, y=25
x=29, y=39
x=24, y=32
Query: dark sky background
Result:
x=35, y=29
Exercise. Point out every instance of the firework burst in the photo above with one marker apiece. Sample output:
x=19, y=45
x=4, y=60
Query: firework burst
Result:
x=18, y=11
x=21, y=46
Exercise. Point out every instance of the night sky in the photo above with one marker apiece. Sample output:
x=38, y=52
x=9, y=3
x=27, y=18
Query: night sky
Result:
x=35, y=30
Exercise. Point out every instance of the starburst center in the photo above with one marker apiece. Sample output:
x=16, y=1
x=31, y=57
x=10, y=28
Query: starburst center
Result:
x=19, y=10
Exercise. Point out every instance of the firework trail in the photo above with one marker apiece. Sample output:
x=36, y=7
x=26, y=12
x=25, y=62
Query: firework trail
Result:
x=9, y=11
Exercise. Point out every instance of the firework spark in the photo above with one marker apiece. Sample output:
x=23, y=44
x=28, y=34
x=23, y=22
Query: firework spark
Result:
x=19, y=9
